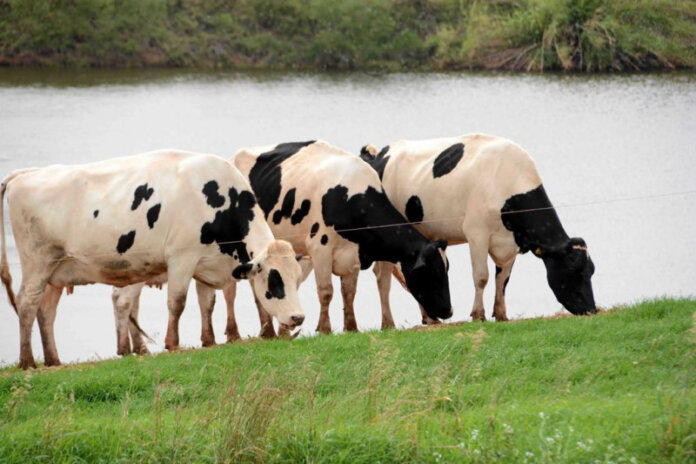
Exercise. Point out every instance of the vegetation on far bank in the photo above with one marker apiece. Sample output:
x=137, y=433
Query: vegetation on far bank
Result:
x=527, y=35
x=615, y=387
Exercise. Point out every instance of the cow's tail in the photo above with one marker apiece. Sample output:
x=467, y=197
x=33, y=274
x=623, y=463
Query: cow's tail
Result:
x=137, y=326
x=4, y=264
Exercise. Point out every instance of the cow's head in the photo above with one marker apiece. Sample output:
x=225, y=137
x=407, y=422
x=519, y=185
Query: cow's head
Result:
x=275, y=275
x=569, y=270
x=426, y=277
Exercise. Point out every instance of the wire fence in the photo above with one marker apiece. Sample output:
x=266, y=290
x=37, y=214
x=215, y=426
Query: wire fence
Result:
x=416, y=223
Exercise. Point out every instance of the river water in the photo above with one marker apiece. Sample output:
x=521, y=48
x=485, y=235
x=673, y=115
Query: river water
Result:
x=609, y=148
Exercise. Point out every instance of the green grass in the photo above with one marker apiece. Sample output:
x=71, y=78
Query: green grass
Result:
x=616, y=387
x=529, y=35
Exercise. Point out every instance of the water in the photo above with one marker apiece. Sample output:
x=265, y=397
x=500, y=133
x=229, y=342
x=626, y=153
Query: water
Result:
x=595, y=139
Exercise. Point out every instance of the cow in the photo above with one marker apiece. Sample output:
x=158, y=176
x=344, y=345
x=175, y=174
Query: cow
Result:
x=486, y=191
x=127, y=220
x=330, y=205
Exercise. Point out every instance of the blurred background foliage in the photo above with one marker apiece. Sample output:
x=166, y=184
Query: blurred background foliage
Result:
x=528, y=35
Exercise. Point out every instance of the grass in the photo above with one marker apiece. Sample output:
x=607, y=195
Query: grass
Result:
x=528, y=35
x=616, y=387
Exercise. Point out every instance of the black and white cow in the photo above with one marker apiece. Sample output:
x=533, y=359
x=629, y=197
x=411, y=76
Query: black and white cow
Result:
x=330, y=205
x=128, y=220
x=486, y=191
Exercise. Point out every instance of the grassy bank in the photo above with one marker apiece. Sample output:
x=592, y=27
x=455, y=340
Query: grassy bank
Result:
x=617, y=387
x=529, y=35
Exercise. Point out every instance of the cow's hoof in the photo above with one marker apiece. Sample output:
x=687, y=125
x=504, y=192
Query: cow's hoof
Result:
x=232, y=335
x=123, y=351
x=352, y=327
x=324, y=330
x=501, y=318
x=51, y=362
x=171, y=347
x=208, y=342
x=268, y=332
x=387, y=324
x=141, y=350
x=27, y=364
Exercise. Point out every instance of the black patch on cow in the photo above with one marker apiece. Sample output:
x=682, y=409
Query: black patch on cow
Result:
x=314, y=230
x=324, y=239
x=287, y=206
x=213, y=197
x=448, y=159
x=125, y=241
x=231, y=225
x=533, y=221
x=265, y=175
x=142, y=193
x=378, y=162
x=276, y=289
x=368, y=219
x=95, y=213
x=153, y=215
x=414, y=209
x=301, y=212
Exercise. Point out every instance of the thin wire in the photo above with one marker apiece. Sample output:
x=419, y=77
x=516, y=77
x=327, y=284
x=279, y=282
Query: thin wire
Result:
x=410, y=223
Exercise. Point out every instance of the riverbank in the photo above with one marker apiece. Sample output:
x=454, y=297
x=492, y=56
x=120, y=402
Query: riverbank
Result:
x=532, y=35
x=615, y=387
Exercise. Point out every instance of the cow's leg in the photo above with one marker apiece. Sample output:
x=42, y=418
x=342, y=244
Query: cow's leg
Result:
x=139, y=345
x=206, y=302
x=349, y=284
x=29, y=299
x=478, y=248
x=122, y=299
x=231, y=331
x=383, y=272
x=425, y=319
x=267, y=329
x=180, y=274
x=46, y=317
x=502, y=276
x=322, y=274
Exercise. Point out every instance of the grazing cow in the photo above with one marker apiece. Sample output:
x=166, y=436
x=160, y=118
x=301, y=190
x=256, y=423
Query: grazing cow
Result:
x=486, y=191
x=330, y=205
x=127, y=220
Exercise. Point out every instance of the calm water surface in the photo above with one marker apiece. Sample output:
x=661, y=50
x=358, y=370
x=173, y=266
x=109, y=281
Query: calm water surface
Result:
x=595, y=139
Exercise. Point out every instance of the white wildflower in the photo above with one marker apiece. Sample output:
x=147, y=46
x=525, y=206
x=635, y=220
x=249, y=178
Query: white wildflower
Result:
x=507, y=428
x=542, y=415
x=550, y=440
x=474, y=434
x=529, y=454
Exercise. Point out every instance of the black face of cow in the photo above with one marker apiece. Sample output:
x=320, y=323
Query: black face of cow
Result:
x=569, y=272
x=427, y=280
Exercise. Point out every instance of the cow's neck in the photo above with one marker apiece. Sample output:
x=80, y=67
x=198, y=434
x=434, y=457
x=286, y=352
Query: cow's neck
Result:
x=371, y=221
x=533, y=221
x=259, y=237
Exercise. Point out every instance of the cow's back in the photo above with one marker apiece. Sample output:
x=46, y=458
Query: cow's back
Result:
x=301, y=180
x=117, y=221
x=442, y=181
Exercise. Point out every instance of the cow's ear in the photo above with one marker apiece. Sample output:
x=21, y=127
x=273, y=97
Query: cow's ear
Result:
x=243, y=271
x=441, y=244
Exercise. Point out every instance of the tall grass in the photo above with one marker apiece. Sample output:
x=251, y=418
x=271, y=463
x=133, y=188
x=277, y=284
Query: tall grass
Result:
x=531, y=35
x=617, y=387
